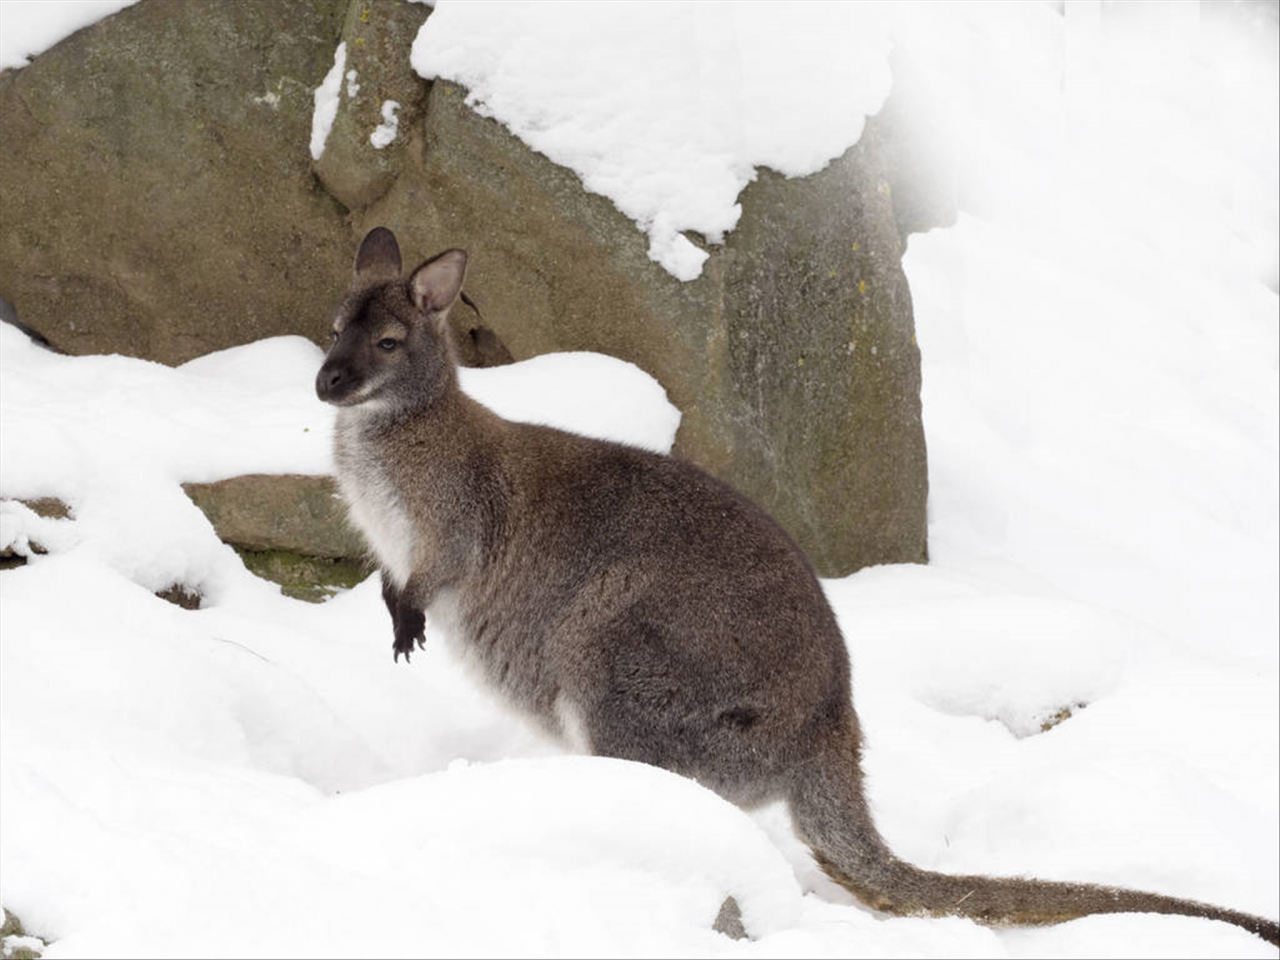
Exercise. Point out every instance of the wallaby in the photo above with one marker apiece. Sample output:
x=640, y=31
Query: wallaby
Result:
x=626, y=601
x=9, y=315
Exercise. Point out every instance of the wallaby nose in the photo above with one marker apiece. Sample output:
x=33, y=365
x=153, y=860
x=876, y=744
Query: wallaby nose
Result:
x=326, y=381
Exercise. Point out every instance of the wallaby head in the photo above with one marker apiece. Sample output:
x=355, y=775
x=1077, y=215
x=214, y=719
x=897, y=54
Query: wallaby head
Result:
x=391, y=346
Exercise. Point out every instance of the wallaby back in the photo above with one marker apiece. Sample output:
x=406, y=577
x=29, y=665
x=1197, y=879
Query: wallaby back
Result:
x=625, y=601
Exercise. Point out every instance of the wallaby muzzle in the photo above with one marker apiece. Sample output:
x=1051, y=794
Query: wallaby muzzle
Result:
x=337, y=383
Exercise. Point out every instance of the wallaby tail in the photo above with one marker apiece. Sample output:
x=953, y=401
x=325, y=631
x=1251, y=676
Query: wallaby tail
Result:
x=831, y=815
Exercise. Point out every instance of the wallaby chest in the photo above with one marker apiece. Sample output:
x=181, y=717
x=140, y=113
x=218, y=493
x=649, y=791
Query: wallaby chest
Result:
x=375, y=503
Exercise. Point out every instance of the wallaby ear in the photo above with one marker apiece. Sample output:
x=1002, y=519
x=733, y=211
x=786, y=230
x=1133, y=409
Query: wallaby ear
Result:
x=379, y=256
x=436, y=284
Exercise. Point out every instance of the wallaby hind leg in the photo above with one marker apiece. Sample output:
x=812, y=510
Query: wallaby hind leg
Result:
x=659, y=710
x=687, y=748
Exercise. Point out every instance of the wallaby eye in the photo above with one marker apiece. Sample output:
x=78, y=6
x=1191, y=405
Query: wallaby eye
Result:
x=386, y=343
x=334, y=334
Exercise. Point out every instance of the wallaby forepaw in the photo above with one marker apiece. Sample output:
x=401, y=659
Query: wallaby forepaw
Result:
x=410, y=629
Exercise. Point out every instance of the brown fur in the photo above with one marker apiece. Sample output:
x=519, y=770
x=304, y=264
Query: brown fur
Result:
x=624, y=599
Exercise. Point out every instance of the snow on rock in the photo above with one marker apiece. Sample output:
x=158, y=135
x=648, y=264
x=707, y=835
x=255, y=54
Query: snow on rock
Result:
x=327, y=96
x=21, y=529
x=385, y=132
x=667, y=109
x=594, y=395
x=29, y=27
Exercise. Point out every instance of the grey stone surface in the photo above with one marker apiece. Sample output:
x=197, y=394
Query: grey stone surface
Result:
x=729, y=920
x=378, y=35
x=156, y=182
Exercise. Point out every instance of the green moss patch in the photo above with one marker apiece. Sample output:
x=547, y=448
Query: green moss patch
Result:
x=314, y=579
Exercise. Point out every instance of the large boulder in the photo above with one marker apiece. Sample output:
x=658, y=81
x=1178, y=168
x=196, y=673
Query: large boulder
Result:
x=792, y=358
x=155, y=181
x=161, y=200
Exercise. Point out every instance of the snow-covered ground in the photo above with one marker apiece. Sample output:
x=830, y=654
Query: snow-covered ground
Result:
x=1102, y=406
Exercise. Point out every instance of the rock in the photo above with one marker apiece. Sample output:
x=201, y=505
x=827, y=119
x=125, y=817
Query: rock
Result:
x=1060, y=715
x=287, y=528
x=792, y=358
x=729, y=920
x=9, y=315
x=181, y=595
x=291, y=512
x=378, y=35
x=12, y=926
x=313, y=579
x=196, y=220
x=16, y=943
x=48, y=507
x=156, y=180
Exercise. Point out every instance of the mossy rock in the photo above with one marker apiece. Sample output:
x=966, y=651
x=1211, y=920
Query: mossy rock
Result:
x=314, y=579
x=297, y=513
x=288, y=528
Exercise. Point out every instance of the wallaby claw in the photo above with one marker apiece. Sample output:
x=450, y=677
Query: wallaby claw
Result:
x=405, y=645
x=410, y=628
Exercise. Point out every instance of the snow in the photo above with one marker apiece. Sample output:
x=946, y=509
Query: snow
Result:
x=29, y=27
x=668, y=112
x=1101, y=396
x=385, y=132
x=591, y=394
x=129, y=431
x=14, y=943
x=327, y=97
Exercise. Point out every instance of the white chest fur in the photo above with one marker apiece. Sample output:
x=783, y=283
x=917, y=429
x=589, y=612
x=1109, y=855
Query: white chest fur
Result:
x=375, y=505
